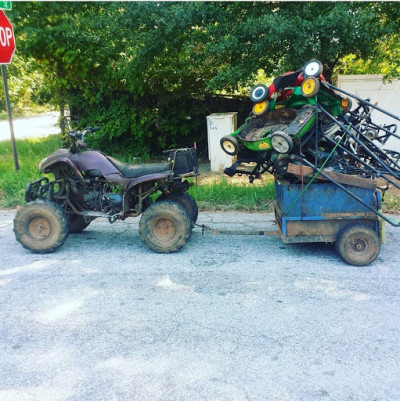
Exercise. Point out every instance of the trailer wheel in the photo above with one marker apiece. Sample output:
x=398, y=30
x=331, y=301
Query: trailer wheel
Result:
x=358, y=245
x=165, y=227
x=77, y=223
x=185, y=200
x=41, y=226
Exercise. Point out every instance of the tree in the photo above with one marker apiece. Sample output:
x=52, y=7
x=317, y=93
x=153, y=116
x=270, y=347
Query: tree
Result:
x=145, y=70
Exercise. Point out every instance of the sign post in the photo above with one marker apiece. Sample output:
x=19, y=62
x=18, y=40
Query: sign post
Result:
x=7, y=49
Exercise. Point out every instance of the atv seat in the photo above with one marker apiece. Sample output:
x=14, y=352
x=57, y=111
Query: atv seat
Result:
x=139, y=170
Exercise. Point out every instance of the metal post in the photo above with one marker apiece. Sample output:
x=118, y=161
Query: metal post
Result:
x=14, y=146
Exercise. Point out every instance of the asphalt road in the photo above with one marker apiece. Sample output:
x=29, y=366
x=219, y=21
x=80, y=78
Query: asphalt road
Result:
x=229, y=318
x=40, y=125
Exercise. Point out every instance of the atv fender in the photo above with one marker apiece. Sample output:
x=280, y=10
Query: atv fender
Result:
x=166, y=175
x=49, y=166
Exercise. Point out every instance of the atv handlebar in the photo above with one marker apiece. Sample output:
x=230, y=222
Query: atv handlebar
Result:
x=76, y=134
x=79, y=136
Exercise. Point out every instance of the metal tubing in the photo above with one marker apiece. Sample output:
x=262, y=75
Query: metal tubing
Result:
x=362, y=162
x=360, y=142
x=316, y=137
x=355, y=156
x=362, y=101
x=395, y=224
x=377, y=148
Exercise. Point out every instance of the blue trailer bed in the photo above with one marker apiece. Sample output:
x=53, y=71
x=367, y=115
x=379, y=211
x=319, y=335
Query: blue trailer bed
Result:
x=326, y=213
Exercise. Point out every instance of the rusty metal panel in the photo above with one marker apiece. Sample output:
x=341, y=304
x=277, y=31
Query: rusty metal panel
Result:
x=299, y=228
x=322, y=199
x=321, y=212
x=308, y=172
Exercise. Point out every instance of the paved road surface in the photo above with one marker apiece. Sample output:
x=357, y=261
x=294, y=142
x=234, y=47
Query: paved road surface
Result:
x=229, y=318
x=31, y=127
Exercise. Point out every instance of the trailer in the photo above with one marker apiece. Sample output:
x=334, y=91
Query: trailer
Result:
x=323, y=212
x=326, y=153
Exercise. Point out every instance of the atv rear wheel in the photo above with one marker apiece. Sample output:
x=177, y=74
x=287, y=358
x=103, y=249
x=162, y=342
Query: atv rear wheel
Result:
x=41, y=226
x=165, y=226
x=185, y=200
x=77, y=223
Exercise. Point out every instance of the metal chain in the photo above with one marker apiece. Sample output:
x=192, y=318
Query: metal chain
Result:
x=203, y=228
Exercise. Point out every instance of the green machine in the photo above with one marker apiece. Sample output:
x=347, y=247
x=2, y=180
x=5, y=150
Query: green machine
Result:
x=282, y=115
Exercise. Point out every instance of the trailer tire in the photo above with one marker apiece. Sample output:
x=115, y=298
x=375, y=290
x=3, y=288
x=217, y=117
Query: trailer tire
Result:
x=165, y=227
x=41, y=226
x=358, y=245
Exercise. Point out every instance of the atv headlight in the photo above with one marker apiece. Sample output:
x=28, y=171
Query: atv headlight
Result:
x=310, y=87
x=258, y=93
x=260, y=107
x=313, y=68
x=281, y=142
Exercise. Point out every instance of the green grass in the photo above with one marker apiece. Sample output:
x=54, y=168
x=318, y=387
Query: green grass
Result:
x=30, y=152
x=225, y=194
x=391, y=203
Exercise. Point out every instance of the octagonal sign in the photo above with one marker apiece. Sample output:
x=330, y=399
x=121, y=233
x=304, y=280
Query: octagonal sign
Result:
x=7, y=40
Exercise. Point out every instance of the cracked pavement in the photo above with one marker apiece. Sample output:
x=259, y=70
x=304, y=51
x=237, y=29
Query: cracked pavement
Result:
x=228, y=318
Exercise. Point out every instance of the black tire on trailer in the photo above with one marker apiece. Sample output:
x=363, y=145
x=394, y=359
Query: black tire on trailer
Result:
x=77, y=223
x=230, y=145
x=41, y=226
x=358, y=245
x=184, y=199
x=165, y=226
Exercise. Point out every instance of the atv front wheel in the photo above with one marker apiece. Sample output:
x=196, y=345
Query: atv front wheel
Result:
x=165, y=226
x=41, y=226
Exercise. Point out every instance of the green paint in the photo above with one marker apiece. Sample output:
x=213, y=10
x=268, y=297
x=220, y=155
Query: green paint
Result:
x=5, y=5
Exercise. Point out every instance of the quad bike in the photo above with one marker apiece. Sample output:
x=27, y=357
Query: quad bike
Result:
x=89, y=184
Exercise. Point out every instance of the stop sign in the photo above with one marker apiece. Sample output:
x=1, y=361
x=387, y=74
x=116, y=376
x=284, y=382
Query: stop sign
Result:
x=7, y=40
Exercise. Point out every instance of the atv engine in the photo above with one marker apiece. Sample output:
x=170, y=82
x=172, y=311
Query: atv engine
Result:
x=98, y=196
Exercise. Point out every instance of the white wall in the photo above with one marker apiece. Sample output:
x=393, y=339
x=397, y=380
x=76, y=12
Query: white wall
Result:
x=386, y=94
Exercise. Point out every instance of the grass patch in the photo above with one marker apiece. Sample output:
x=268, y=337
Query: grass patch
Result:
x=220, y=193
x=391, y=203
x=30, y=153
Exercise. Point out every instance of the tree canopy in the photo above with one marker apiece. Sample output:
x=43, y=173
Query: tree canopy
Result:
x=144, y=69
